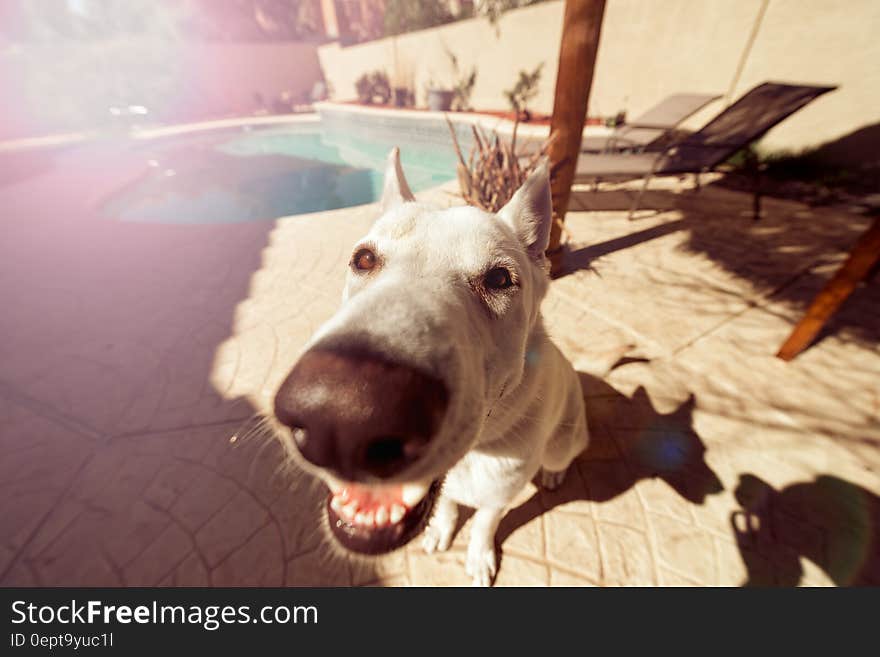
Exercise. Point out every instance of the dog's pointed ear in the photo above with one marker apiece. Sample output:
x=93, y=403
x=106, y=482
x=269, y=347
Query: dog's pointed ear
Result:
x=530, y=212
x=395, y=190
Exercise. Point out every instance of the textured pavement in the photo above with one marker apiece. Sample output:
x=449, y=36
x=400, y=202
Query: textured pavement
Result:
x=136, y=358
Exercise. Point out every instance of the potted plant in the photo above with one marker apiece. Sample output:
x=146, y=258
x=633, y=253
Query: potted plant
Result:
x=464, y=84
x=439, y=98
x=523, y=91
x=373, y=88
x=403, y=97
x=617, y=120
x=402, y=81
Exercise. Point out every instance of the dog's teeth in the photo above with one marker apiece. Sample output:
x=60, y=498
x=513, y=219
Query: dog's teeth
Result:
x=349, y=510
x=412, y=494
x=344, y=494
x=397, y=513
x=364, y=518
x=336, y=504
x=382, y=516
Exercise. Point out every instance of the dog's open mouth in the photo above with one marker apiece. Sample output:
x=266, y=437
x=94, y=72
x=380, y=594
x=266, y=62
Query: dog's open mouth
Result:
x=378, y=519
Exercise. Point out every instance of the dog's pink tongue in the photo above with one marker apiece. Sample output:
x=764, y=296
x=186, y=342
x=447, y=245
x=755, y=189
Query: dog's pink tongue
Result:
x=371, y=497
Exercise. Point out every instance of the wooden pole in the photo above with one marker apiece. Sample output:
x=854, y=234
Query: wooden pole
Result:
x=865, y=255
x=582, y=24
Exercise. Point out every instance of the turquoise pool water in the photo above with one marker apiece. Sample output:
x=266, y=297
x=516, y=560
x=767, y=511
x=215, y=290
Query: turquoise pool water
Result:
x=264, y=174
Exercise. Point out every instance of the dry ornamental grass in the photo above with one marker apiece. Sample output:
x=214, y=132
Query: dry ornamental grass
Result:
x=493, y=171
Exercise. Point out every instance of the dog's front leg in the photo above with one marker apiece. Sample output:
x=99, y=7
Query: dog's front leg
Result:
x=481, y=561
x=441, y=528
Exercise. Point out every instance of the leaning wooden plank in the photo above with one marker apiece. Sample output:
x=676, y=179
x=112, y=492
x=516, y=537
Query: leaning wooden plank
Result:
x=862, y=259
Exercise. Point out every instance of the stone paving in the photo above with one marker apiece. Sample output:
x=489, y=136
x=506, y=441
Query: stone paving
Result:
x=137, y=357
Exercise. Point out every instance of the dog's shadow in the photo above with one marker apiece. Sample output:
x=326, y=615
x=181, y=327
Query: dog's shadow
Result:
x=629, y=441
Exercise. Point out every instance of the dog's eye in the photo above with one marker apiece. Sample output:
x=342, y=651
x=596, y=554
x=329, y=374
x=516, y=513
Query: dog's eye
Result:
x=498, y=278
x=363, y=260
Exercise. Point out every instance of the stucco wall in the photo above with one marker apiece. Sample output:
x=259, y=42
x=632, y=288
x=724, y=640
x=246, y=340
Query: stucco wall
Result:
x=525, y=38
x=821, y=41
x=651, y=49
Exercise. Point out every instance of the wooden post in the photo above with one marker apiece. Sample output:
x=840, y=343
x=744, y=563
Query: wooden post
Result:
x=862, y=259
x=582, y=24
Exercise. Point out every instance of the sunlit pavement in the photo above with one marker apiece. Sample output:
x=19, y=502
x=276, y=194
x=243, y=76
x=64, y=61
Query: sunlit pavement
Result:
x=133, y=353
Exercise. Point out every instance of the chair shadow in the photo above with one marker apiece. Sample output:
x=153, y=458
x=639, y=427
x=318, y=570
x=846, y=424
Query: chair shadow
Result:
x=629, y=441
x=831, y=522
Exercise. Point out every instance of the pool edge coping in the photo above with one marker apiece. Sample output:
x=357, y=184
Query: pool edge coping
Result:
x=142, y=134
x=485, y=121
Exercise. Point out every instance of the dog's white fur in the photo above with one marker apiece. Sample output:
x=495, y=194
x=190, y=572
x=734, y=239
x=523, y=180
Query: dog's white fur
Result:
x=515, y=404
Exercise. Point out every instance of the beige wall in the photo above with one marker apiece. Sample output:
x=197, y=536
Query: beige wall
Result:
x=821, y=41
x=651, y=48
x=526, y=37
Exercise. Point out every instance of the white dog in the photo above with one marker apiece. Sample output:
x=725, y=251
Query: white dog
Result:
x=435, y=384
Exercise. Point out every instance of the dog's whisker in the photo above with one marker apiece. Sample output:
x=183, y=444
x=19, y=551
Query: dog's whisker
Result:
x=250, y=425
x=268, y=441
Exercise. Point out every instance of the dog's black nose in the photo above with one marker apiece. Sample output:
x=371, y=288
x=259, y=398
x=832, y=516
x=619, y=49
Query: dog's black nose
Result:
x=358, y=414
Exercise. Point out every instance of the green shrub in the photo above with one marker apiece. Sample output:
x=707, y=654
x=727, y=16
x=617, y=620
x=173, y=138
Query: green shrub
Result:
x=523, y=91
x=463, y=86
x=373, y=88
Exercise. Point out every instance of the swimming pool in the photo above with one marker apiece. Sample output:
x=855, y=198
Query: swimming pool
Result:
x=266, y=173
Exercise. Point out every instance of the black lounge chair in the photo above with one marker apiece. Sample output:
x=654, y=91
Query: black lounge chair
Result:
x=742, y=123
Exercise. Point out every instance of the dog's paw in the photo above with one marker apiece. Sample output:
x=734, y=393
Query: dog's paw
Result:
x=436, y=539
x=552, y=480
x=481, y=565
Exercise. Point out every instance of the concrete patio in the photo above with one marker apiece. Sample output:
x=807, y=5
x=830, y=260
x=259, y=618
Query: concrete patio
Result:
x=133, y=353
